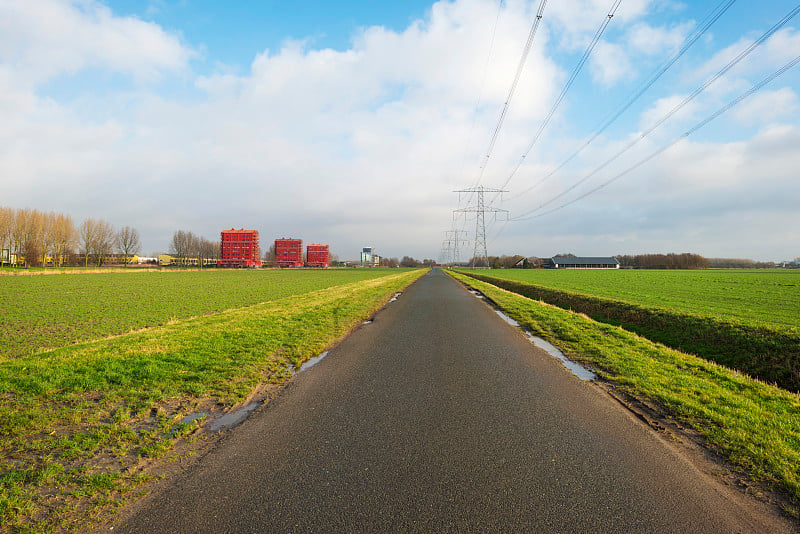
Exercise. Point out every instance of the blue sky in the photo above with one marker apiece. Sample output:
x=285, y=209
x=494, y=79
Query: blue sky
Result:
x=351, y=123
x=231, y=32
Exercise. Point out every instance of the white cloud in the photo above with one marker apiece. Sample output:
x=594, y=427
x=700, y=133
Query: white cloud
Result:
x=47, y=38
x=647, y=39
x=610, y=63
x=577, y=20
x=766, y=107
x=663, y=106
x=770, y=55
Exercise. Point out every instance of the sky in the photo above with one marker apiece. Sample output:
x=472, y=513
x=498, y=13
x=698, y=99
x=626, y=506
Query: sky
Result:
x=354, y=123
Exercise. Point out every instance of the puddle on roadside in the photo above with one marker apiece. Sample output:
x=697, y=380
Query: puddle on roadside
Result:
x=369, y=321
x=576, y=369
x=231, y=419
x=394, y=298
x=477, y=293
x=506, y=318
x=311, y=362
x=192, y=417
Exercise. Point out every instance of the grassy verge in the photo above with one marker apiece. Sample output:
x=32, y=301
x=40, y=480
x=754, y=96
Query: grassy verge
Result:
x=48, y=312
x=753, y=424
x=765, y=353
x=76, y=421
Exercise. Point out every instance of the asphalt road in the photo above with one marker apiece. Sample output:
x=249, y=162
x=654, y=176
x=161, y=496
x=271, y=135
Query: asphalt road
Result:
x=440, y=417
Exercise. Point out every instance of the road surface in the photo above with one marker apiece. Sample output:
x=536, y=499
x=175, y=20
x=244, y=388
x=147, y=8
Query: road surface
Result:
x=441, y=417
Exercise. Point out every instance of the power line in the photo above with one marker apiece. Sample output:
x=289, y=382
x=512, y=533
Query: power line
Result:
x=686, y=134
x=480, y=210
x=672, y=112
x=598, y=34
x=704, y=26
x=504, y=111
x=483, y=82
x=452, y=245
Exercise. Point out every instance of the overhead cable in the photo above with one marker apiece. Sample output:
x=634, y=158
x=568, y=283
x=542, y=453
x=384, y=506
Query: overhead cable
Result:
x=721, y=8
x=686, y=134
x=598, y=34
x=483, y=81
x=504, y=111
x=674, y=110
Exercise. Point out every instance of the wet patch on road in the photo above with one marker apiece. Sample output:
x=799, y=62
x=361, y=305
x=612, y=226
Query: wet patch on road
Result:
x=231, y=419
x=575, y=368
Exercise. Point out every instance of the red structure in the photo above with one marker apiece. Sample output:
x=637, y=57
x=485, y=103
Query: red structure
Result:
x=289, y=252
x=317, y=255
x=239, y=248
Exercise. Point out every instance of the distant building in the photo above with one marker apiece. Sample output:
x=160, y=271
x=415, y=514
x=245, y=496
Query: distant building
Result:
x=239, y=248
x=289, y=252
x=569, y=262
x=367, y=256
x=317, y=255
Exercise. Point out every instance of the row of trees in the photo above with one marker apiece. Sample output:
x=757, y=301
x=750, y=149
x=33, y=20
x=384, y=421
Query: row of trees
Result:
x=506, y=262
x=35, y=235
x=664, y=261
x=189, y=245
x=639, y=261
x=407, y=261
x=737, y=263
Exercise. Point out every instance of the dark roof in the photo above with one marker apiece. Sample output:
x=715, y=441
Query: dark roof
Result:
x=567, y=260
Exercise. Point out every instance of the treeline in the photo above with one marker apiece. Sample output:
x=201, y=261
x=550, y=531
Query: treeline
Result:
x=639, y=261
x=506, y=262
x=737, y=263
x=407, y=261
x=664, y=261
x=188, y=245
x=40, y=238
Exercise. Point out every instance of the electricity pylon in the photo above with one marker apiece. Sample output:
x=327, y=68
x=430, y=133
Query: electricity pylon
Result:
x=452, y=243
x=480, y=210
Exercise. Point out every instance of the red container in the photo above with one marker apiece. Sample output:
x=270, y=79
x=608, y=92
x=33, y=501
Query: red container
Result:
x=317, y=255
x=289, y=252
x=239, y=248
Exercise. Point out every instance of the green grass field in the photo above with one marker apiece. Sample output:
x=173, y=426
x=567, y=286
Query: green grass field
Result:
x=76, y=421
x=768, y=298
x=745, y=320
x=44, y=312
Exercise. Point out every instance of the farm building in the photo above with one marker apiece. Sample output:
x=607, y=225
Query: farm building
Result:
x=239, y=248
x=289, y=252
x=317, y=255
x=571, y=262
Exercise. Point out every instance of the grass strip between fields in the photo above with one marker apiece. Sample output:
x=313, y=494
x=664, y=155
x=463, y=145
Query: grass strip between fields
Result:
x=765, y=353
x=75, y=421
x=753, y=424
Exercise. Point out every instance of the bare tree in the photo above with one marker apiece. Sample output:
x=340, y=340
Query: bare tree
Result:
x=105, y=240
x=26, y=237
x=408, y=261
x=6, y=227
x=128, y=242
x=65, y=237
x=47, y=236
x=181, y=244
x=97, y=239
x=269, y=256
x=207, y=249
x=88, y=232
